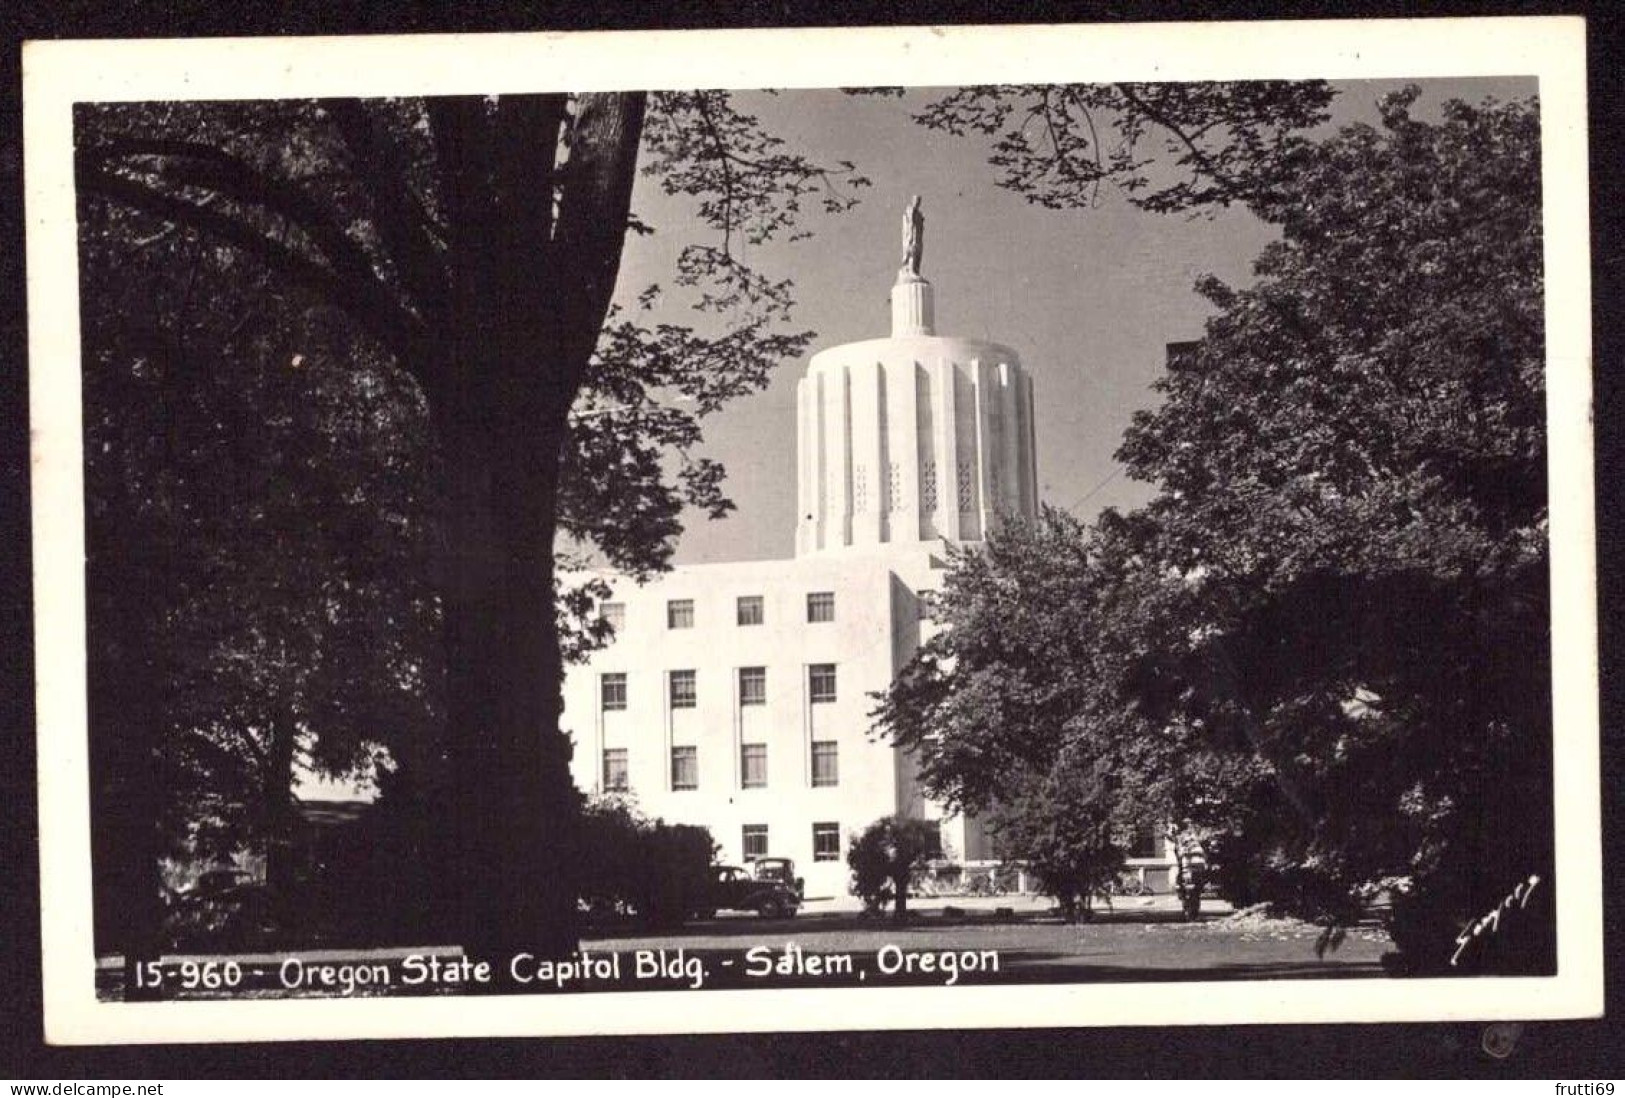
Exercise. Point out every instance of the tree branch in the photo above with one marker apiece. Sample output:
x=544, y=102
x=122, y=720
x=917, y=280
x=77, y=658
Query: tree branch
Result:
x=367, y=301
x=1094, y=137
x=189, y=163
x=526, y=128
x=460, y=135
x=1230, y=188
x=721, y=153
x=1063, y=155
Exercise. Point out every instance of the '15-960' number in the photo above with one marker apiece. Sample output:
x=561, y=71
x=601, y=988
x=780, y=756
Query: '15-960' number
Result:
x=192, y=975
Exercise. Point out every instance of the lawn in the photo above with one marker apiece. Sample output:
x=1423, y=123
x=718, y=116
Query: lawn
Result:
x=1032, y=946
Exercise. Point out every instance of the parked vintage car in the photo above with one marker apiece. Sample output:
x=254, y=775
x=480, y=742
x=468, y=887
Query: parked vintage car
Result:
x=782, y=870
x=733, y=889
x=225, y=907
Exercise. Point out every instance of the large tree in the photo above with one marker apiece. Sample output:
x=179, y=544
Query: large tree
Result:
x=1040, y=706
x=476, y=243
x=258, y=493
x=1326, y=640
x=1353, y=474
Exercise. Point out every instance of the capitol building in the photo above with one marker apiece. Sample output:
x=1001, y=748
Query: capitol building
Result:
x=737, y=696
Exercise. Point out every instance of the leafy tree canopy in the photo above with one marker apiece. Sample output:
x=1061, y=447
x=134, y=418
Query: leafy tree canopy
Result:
x=1168, y=147
x=258, y=486
x=1325, y=642
x=342, y=199
x=470, y=246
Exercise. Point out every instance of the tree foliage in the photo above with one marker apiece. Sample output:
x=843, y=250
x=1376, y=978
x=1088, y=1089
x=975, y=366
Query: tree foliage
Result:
x=473, y=244
x=1067, y=826
x=986, y=699
x=1325, y=643
x=657, y=871
x=1168, y=147
x=1019, y=709
x=258, y=536
x=1367, y=521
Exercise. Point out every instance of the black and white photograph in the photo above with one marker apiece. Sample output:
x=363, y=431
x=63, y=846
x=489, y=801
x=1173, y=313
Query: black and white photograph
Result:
x=692, y=532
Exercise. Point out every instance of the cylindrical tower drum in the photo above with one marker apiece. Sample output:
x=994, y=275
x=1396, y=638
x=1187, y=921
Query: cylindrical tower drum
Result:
x=914, y=438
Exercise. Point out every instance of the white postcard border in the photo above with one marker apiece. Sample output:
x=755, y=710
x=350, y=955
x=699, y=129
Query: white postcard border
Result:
x=58, y=74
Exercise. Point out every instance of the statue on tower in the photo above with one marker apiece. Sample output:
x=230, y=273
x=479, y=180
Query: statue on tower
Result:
x=913, y=237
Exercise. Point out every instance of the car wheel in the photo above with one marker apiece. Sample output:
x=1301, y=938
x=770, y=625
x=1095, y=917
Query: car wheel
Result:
x=771, y=909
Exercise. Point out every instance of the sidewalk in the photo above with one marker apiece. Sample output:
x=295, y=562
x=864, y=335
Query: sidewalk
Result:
x=1017, y=903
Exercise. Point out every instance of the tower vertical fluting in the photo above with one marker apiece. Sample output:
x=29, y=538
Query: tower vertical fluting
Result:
x=915, y=438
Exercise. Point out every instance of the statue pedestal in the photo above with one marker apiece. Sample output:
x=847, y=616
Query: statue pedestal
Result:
x=912, y=310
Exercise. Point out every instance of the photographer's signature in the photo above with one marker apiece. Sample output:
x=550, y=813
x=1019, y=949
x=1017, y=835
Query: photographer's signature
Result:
x=1516, y=900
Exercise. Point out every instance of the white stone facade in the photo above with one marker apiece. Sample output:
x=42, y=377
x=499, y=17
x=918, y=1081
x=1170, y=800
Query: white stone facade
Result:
x=737, y=696
x=761, y=725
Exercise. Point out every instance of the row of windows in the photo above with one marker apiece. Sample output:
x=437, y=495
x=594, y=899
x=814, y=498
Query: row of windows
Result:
x=685, y=766
x=683, y=691
x=826, y=842
x=748, y=610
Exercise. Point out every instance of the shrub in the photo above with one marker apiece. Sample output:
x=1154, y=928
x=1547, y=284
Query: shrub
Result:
x=675, y=862
x=884, y=858
x=631, y=864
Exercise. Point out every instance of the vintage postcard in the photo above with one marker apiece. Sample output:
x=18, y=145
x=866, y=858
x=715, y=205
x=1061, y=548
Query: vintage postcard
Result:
x=759, y=531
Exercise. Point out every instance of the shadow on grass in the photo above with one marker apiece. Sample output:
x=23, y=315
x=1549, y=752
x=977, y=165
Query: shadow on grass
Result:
x=836, y=922
x=1040, y=968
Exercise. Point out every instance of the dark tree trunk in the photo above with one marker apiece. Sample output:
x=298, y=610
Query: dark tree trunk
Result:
x=128, y=686
x=128, y=810
x=281, y=820
x=513, y=800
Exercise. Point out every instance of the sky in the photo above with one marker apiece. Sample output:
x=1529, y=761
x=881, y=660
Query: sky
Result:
x=1088, y=298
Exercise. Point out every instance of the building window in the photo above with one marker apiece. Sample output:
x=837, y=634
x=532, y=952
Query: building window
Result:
x=821, y=606
x=753, y=765
x=928, y=486
x=753, y=843
x=1143, y=843
x=614, y=615
x=749, y=610
x=826, y=842
x=826, y=763
x=683, y=693
x=680, y=614
x=821, y=683
x=615, y=780
x=685, y=768
x=753, y=686
x=612, y=691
